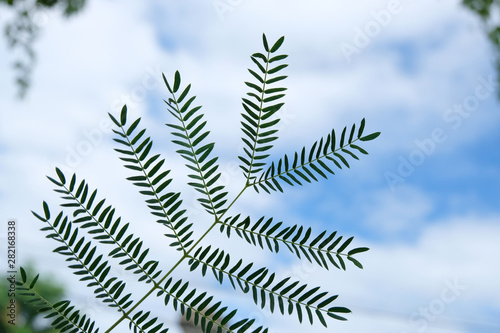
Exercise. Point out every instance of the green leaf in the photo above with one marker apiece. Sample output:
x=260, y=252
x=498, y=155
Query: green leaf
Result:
x=32, y=284
x=260, y=55
x=351, y=135
x=166, y=83
x=277, y=69
x=114, y=120
x=361, y=150
x=258, y=77
x=23, y=274
x=133, y=126
x=321, y=318
x=184, y=94
x=123, y=116
x=55, y=182
x=276, y=79
x=343, y=246
x=254, y=86
x=308, y=294
x=355, y=262
x=370, y=136
x=277, y=45
x=357, y=250
x=264, y=41
x=327, y=301
x=361, y=127
x=61, y=176
x=334, y=316
x=177, y=81
x=277, y=58
x=342, y=137
x=46, y=210
x=339, y=309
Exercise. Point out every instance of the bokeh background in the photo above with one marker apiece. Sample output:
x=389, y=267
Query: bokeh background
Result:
x=425, y=201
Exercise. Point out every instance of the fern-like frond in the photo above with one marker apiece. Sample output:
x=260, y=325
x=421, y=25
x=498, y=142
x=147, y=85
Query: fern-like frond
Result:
x=92, y=220
x=152, y=180
x=203, y=310
x=322, y=249
x=100, y=222
x=85, y=263
x=190, y=134
x=64, y=316
x=259, y=123
x=290, y=296
x=308, y=164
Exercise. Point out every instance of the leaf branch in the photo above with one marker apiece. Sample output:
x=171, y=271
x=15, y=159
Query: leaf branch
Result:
x=290, y=172
x=167, y=206
x=321, y=249
x=256, y=282
x=190, y=136
x=257, y=125
x=92, y=269
x=104, y=229
x=66, y=316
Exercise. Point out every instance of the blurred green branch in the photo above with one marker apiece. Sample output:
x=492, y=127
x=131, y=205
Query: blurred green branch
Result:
x=22, y=31
x=28, y=319
x=489, y=12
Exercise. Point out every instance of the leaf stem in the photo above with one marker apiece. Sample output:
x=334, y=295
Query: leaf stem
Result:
x=260, y=116
x=170, y=226
x=198, y=167
x=312, y=248
x=302, y=165
x=105, y=230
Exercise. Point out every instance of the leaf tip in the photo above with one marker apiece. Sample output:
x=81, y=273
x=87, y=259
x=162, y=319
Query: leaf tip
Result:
x=264, y=41
x=177, y=81
x=123, y=115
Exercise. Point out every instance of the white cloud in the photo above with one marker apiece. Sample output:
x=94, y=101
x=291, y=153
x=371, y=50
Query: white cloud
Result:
x=443, y=272
x=390, y=213
x=322, y=84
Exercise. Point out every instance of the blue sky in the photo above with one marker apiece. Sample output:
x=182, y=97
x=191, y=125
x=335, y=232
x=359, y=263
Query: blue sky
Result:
x=435, y=225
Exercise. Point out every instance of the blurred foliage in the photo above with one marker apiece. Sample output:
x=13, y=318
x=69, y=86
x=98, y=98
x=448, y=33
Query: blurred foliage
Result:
x=188, y=326
x=489, y=12
x=21, y=32
x=28, y=319
x=482, y=7
x=31, y=15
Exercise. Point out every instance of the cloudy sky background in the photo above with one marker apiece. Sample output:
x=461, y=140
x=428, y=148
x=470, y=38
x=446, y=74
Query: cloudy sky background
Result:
x=425, y=200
